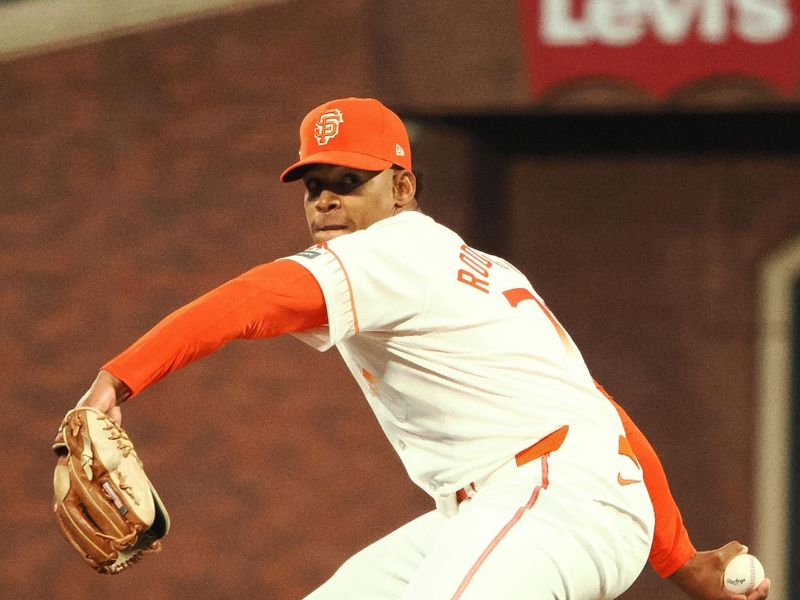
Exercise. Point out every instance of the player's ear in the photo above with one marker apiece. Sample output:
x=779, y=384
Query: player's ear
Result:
x=404, y=187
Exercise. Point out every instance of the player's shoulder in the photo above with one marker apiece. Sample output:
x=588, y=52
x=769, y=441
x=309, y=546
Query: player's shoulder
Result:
x=409, y=230
x=406, y=222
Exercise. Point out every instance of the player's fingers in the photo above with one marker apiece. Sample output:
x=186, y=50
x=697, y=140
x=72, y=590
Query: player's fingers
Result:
x=731, y=549
x=761, y=592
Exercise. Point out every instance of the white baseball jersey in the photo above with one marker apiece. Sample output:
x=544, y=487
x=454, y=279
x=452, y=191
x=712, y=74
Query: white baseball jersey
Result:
x=459, y=358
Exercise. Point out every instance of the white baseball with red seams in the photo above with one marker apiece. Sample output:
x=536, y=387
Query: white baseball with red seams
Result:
x=465, y=366
x=743, y=574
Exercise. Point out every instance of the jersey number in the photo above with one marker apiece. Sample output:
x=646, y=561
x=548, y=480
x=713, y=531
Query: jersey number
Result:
x=517, y=295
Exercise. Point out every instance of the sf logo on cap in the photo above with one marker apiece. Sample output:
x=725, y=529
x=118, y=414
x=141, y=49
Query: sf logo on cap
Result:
x=327, y=125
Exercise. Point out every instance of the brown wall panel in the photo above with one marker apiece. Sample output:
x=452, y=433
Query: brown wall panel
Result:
x=444, y=57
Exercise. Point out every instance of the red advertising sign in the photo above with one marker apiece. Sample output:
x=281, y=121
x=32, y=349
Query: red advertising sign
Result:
x=661, y=45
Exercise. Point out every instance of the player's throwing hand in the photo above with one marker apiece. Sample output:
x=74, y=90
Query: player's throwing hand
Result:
x=701, y=576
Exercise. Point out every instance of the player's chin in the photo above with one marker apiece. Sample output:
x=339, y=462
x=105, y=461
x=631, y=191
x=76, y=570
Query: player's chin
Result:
x=325, y=235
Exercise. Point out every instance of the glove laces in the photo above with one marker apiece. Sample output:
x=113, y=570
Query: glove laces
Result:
x=118, y=435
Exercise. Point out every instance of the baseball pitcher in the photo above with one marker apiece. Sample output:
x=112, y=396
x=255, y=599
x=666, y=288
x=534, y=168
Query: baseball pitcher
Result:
x=541, y=485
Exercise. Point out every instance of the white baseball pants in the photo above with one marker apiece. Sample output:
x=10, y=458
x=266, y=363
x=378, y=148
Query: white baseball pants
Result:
x=571, y=525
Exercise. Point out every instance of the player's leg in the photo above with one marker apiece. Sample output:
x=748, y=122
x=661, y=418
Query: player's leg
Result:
x=520, y=538
x=383, y=569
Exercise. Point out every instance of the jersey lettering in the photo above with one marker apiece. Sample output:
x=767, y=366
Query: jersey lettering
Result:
x=472, y=259
x=477, y=272
x=471, y=279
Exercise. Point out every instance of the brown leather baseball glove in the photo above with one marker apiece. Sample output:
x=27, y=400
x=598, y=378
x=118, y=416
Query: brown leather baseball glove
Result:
x=105, y=505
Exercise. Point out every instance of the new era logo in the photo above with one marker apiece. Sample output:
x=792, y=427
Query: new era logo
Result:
x=398, y=150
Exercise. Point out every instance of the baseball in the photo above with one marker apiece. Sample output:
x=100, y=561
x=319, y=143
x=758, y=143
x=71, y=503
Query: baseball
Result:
x=743, y=574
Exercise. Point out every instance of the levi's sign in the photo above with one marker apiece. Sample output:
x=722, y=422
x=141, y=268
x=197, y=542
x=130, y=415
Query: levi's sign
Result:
x=626, y=22
x=662, y=44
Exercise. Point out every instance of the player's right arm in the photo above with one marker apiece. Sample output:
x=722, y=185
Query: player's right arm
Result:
x=672, y=555
x=267, y=301
x=671, y=544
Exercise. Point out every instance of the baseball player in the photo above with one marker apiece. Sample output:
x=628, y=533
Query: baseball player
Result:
x=543, y=487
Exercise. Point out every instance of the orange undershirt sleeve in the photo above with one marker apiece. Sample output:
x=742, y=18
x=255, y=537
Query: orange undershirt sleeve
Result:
x=671, y=544
x=267, y=301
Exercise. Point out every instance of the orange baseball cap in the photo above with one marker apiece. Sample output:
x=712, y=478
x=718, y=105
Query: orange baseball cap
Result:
x=353, y=132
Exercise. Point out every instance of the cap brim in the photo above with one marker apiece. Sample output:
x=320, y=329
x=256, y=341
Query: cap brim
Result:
x=354, y=160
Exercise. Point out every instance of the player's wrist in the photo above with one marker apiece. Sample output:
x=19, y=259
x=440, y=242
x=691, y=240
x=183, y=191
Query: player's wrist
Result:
x=109, y=381
x=690, y=577
x=106, y=394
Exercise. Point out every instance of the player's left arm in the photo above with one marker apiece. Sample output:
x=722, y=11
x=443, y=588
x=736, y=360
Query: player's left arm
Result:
x=672, y=555
x=267, y=301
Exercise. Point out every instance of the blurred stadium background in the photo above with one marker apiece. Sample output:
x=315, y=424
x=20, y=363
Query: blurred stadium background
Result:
x=641, y=166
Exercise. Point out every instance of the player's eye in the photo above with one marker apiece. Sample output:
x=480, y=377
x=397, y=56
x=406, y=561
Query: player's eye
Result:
x=347, y=183
x=351, y=180
x=312, y=186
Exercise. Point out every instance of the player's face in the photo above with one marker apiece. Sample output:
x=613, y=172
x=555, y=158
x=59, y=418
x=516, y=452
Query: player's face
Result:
x=341, y=200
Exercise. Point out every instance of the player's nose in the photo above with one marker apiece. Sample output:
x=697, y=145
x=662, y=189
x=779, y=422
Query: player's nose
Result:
x=328, y=200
